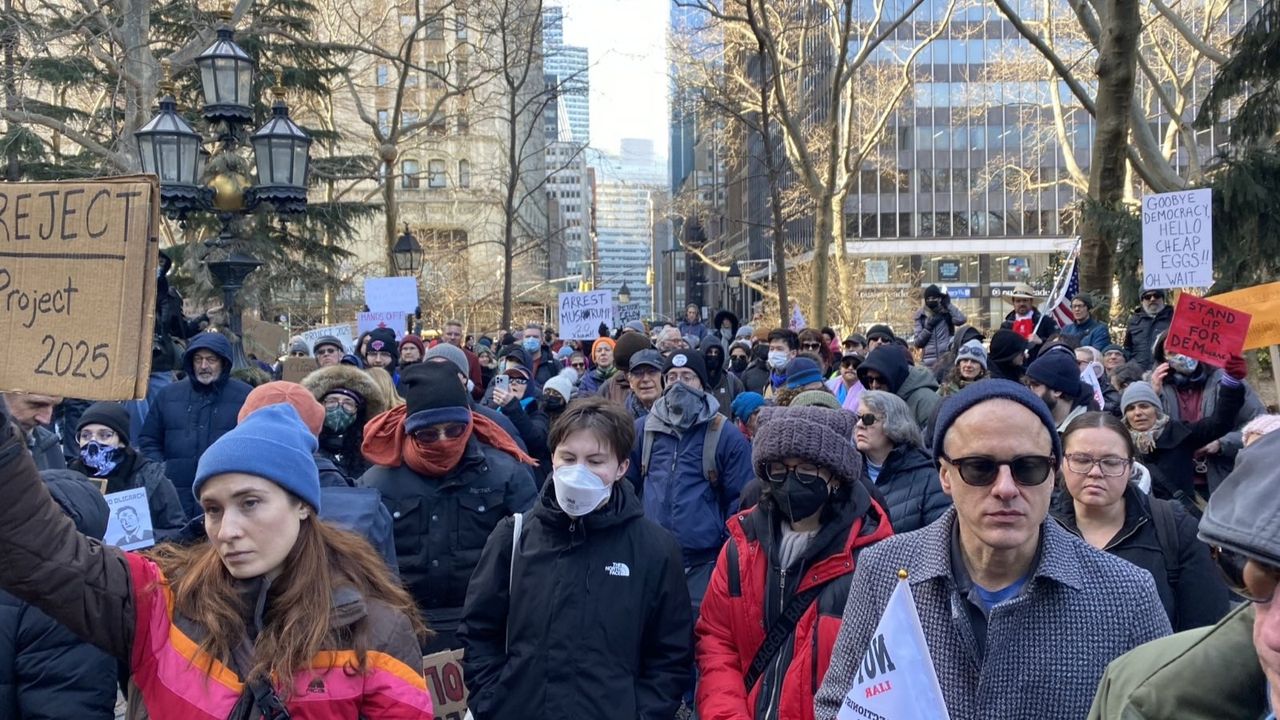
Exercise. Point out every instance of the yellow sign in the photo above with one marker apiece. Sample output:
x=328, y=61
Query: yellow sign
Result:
x=1263, y=303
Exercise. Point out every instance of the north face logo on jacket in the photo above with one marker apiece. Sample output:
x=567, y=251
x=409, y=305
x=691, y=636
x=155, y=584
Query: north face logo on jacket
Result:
x=618, y=569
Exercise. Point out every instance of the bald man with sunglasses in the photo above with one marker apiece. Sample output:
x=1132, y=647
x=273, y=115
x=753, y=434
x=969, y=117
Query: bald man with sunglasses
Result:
x=1230, y=670
x=1021, y=617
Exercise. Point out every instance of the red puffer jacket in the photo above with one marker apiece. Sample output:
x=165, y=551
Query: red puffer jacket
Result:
x=734, y=619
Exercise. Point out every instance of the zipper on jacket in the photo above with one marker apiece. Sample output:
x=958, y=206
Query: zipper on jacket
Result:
x=777, y=676
x=1116, y=541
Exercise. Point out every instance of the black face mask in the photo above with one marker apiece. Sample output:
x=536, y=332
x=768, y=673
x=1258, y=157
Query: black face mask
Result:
x=553, y=404
x=738, y=364
x=799, y=496
x=932, y=303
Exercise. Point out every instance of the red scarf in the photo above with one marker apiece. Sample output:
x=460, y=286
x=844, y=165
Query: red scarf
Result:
x=386, y=444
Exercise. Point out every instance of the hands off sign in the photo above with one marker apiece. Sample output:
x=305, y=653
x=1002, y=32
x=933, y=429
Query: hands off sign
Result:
x=77, y=286
x=1177, y=239
x=1206, y=331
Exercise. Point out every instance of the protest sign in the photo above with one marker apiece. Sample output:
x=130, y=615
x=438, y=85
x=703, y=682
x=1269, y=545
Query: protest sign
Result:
x=296, y=368
x=129, y=525
x=1263, y=303
x=393, y=293
x=264, y=340
x=1206, y=331
x=627, y=312
x=342, y=332
x=896, y=679
x=582, y=312
x=395, y=320
x=443, y=672
x=78, y=286
x=1177, y=239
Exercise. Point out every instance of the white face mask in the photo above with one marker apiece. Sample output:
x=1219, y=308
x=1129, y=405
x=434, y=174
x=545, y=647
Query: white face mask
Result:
x=578, y=490
x=777, y=359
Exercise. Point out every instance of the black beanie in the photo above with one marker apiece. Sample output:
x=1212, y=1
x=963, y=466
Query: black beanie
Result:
x=629, y=344
x=383, y=340
x=883, y=331
x=1006, y=345
x=688, y=359
x=933, y=291
x=1057, y=370
x=111, y=414
x=431, y=386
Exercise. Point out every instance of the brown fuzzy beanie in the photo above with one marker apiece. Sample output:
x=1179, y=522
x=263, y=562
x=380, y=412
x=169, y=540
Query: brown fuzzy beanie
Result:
x=626, y=346
x=818, y=435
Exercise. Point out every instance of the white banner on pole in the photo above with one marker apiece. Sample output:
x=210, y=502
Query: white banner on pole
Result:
x=393, y=293
x=1177, y=239
x=896, y=680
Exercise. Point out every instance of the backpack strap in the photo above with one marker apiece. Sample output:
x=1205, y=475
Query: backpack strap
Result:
x=780, y=632
x=1166, y=526
x=709, y=445
x=511, y=572
x=646, y=450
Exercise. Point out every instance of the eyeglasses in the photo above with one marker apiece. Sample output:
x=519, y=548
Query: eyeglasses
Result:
x=518, y=381
x=577, y=365
x=340, y=402
x=806, y=473
x=438, y=433
x=104, y=435
x=866, y=420
x=980, y=471
x=1111, y=465
x=328, y=350
x=810, y=346
x=1150, y=296
x=873, y=381
x=1257, y=586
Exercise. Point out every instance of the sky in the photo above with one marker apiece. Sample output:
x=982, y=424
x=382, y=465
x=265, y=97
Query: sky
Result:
x=626, y=43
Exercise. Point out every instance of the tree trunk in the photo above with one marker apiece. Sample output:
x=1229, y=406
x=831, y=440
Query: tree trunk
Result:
x=821, y=261
x=390, y=217
x=779, y=244
x=1116, y=69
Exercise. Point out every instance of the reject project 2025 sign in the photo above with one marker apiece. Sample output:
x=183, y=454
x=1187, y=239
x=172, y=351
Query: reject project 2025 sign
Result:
x=1177, y=239
x=78, y=286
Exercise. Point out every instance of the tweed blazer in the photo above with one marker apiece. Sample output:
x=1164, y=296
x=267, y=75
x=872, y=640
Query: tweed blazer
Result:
x=1046, y=649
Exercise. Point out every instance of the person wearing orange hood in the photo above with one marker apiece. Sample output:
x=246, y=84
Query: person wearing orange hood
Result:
x=448, y=476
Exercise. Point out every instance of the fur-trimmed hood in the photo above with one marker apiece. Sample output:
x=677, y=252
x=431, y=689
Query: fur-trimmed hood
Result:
x=327, y=379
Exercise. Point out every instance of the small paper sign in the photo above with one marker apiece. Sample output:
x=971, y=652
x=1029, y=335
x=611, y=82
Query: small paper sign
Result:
x=296, y=368
x=393, y=293
x=1206, y=331
x=443, y=672
x=129, y=525
x=396, y=320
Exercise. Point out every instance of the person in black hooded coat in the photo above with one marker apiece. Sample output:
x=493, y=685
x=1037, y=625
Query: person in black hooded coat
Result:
x=46, y=672
x=724, y=385
x=728, y=334
x=756, y=377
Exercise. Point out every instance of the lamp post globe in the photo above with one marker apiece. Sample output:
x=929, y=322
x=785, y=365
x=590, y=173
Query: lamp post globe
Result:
x=624, y=293
x=226, y=76
x=280, y=150
x=407, y=253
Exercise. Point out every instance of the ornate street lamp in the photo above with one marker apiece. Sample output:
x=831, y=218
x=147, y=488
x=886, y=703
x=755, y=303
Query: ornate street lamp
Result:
x=173, y=151
x=407, y=253
x=624, y=293
x=734, y=278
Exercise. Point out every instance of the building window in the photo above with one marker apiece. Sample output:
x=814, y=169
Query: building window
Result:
x=460, y=23
x=409, y=174
x=408, y=118
x=435, y=174
x=384, y=121
x=384, y=73
x=435, y=26
x=464, y=174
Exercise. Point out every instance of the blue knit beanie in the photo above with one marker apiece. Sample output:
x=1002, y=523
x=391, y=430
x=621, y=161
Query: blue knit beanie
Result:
x=272, y=443
x=746, y=404
x=801, y=371
x=956, y=405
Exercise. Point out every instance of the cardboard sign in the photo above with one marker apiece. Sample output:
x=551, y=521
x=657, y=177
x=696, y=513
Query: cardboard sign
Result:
x=296, y=368
x=443, y=672
x=394, y=293
x=1263, y=303
x=627, y=312
x=129, y=525
x=342, y=332
x=1177, y=239
x=1206, y=331
x=582, y=312
x=396, y=320
x=264, y=340
x=78, y=286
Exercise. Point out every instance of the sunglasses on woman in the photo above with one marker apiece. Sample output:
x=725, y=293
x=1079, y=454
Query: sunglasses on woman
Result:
x=866, y=420
x=1257, y=586
x=810, y=346
x=981, y=471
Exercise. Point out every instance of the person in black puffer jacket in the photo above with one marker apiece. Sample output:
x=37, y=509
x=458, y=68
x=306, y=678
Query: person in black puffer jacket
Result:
x=1108, y=511
x=46, y=672
x=896, y=462
x=103, y=437
x=591, y=618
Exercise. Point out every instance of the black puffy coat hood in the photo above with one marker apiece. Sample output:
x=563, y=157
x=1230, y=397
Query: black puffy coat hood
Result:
x=891, y=362
x=79, y=499
x=726, y=315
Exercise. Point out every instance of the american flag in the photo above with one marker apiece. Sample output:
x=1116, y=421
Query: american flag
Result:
x=1058, y=305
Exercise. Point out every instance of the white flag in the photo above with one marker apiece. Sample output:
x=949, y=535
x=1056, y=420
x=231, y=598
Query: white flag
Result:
x=896, y=680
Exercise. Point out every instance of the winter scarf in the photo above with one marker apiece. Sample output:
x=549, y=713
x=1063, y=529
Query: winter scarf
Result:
x=1146, y=439
x=386, y=444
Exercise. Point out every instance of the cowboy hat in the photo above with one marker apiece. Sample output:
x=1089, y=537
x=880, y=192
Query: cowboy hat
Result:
x=1021, y=290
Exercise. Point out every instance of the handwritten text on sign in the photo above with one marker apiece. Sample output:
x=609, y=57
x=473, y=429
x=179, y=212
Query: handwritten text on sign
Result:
x=582, y=312
x=1177, y=239
x=443, y=672
x=1206, y=331
x=77, y=286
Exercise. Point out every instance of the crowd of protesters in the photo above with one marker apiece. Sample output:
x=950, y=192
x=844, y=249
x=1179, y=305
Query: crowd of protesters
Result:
x=700, y=519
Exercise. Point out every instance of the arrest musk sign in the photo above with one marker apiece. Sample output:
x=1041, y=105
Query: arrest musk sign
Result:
x=78, y=286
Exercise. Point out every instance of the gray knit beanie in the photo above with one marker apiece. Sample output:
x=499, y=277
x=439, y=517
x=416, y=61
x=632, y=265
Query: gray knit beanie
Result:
x=974, y=351
x=818, y=435
x=453, y=354
x=1140, y=392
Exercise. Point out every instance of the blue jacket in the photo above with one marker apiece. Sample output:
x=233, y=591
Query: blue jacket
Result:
x=186, y=417
x=1091, y=333
x=675, y=493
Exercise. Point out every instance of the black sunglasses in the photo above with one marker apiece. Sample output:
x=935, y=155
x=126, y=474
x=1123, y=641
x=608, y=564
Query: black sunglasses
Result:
x=1151, y=296
x=867, y=420
x=1232, y=566
x=810, y=346
x=981, y=471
